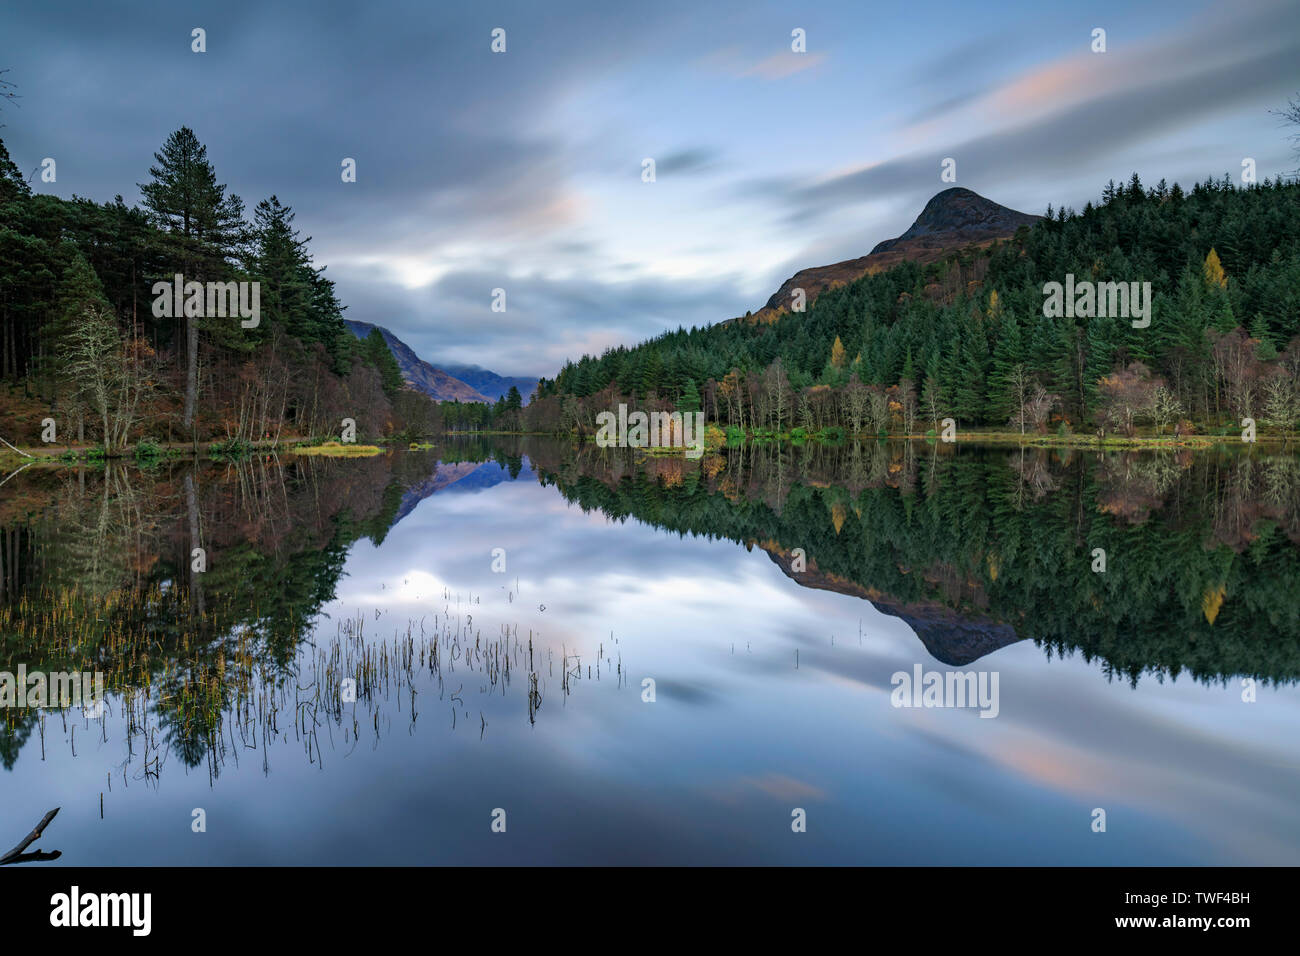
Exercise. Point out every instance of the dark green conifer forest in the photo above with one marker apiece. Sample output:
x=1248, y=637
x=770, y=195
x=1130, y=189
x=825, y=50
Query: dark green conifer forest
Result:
x=81, y=343
x=967, y=337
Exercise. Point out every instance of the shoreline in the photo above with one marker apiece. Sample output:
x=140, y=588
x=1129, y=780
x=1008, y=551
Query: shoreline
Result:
x=84, y=455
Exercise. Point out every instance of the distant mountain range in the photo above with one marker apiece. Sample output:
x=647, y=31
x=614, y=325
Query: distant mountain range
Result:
x=465, y=383
x=953, y=219
x=490, y=383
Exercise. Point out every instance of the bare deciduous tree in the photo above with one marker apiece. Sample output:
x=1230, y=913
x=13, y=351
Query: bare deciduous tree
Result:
x=1165, y=407
x=855, y=403
x=112, y=374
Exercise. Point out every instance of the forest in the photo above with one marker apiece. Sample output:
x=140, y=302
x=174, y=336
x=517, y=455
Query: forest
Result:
x=87, y=361
x=82, y=348
x=898, y=351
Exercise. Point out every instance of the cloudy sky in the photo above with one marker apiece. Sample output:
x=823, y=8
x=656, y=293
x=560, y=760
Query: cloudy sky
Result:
x=522, y=170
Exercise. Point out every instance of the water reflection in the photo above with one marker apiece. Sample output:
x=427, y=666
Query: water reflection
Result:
x=975, y=549
x=772, y=676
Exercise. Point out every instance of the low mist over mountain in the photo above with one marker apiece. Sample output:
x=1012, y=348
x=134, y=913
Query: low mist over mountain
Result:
x=952, y=219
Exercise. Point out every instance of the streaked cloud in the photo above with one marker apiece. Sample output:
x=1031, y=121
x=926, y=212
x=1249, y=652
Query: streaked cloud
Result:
x=522, y=170
x=780, y=65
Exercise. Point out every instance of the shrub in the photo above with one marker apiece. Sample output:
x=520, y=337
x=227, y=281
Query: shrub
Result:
x=229, y=448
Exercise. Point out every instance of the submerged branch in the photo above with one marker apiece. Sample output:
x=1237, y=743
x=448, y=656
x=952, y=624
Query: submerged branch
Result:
x=16, y=855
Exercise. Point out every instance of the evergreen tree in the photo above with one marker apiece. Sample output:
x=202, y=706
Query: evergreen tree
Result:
x=186, y=201
x=280, y=262
x=1008, y=355
x=12, y=184
x=690, y=398
x=184, y=194
x=375, y=352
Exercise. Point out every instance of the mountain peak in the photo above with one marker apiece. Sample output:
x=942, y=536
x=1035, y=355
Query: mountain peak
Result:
x=959, y=215
x=952, y=219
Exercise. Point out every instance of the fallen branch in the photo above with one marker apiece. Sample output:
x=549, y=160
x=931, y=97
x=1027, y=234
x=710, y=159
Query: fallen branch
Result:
x=19, y=450
x=16, y=855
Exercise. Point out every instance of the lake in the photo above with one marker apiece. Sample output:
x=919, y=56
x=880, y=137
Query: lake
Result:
x=564, y=655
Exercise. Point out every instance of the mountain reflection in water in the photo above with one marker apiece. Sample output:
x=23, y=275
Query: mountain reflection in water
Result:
x=476, y=689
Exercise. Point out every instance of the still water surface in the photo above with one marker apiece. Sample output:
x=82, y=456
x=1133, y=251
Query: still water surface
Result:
x=1120, y=690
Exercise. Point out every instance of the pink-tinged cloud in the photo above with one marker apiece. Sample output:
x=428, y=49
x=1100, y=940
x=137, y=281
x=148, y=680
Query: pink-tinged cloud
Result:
x=734, y=62
x=781, y=65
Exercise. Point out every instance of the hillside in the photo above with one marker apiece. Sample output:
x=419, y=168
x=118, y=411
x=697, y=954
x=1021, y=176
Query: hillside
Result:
x=953, y=219
x=434, y=382
x=491, y=384
x=966, y=335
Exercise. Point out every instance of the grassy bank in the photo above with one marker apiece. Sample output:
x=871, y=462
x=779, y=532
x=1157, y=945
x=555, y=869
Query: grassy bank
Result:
x=147, y=453
x=332, y=449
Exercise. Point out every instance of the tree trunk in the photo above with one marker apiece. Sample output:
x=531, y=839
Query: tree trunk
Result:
x=192, y=509
x=191, y=370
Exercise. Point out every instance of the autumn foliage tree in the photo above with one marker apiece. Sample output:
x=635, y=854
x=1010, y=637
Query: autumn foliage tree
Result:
x=1127, y=397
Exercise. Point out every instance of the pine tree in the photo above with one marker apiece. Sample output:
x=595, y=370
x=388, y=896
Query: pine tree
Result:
x=1070, y=369
x=1102, y=341
x=690, y=399
x=186, y=200
x=1266, y=351
x=1008, y=356
x=651, y=374
x=376, y=352
x=79, y=293
x=12, y=184
x=932, y=398
x=79, y=289
x=279, y=260
x=185, y=197
x=965, y=372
